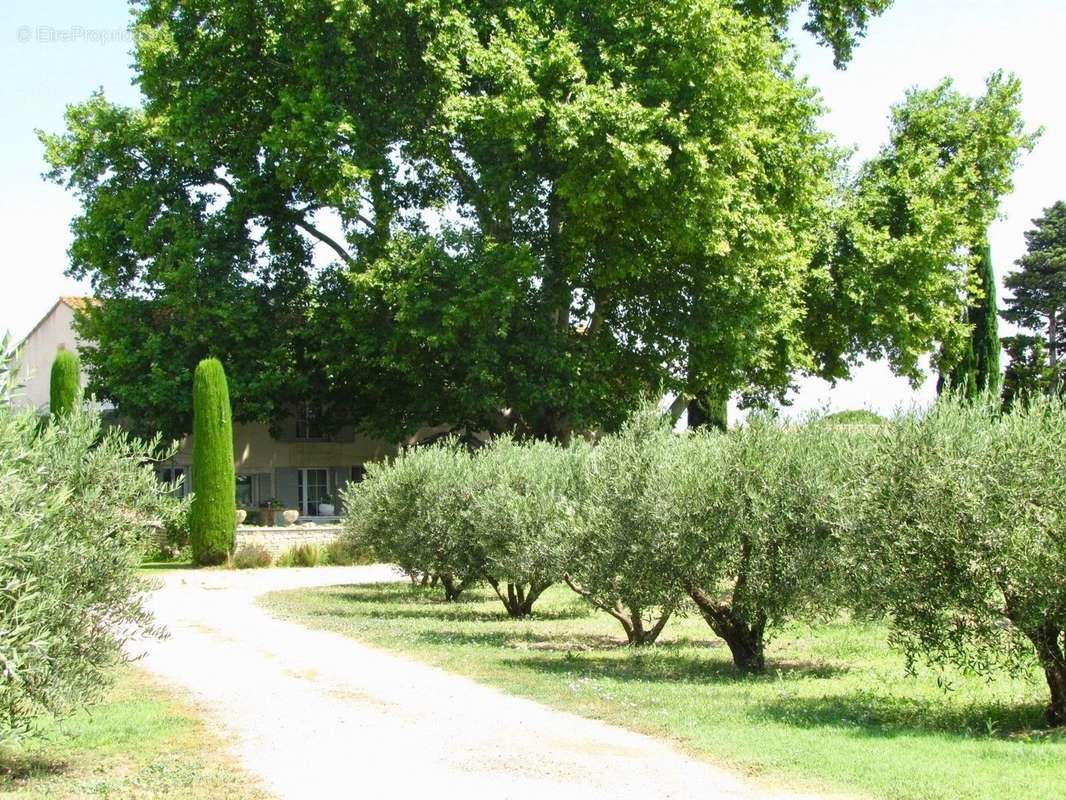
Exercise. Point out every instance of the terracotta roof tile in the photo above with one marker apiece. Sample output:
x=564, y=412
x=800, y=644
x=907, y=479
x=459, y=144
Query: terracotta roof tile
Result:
x=78, y=303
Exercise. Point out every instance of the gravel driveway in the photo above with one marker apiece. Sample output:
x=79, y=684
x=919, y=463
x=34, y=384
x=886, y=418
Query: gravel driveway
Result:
x=318, y=716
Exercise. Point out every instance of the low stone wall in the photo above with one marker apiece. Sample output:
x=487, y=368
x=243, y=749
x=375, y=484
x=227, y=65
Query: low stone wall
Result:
x=281, y=539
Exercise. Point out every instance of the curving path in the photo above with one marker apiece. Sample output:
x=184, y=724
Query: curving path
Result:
x=318, y=716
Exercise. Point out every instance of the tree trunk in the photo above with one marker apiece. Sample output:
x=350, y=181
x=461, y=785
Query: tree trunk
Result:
x=629, y=616
x=452, y=590
x=1050, y=644
x=639, y=636
x=520, y=598
x=1053, y=350
x=744, y=637
x=708, y=408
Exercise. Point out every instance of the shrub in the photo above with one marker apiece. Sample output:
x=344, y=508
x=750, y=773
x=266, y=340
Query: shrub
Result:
x=77, y=507
x=524, y=509
x=303, y=555
x=213, y=517
x=962, y=537
x=341, y=553
x=619, y=560
x=175, y=543
x=855, y=416
x=415, y=512
x=64, y=388
x=252, y=556
x=755, y=516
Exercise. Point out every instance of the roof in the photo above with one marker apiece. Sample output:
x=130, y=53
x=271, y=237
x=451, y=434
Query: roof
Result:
x=78, y=303
x=70, y=301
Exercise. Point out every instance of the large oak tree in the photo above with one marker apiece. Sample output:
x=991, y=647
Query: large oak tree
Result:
x=531, y=212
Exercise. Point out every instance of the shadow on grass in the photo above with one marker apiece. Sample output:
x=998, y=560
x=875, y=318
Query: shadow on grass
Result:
x=668, y=662
x=569, y=655
x=392, y=601
x=860, y=711
x=867, y=713
x=23, y=767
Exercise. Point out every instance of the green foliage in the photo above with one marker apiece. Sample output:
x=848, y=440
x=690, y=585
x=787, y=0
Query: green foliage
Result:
x=985, y=318
x=948, y=521
x=175, y=541
x=340, y=553
x=78, y=506
x=213, y=516
x=960, y=539
x=976, y=369
x=529, y=501
x=1028, y=373
x=415, y=512
x=755, y=517
x=64, y=387
x=1038, y=289
x=900, y=234
x=620, y=560
x=855, y=416
x=303, y=555
x=495, y=171
x=251, y=556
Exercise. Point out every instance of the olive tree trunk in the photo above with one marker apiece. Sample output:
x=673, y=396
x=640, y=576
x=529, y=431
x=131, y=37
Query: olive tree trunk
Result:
x=744, y=636
x=519, y=598
x=630, y=616
x=1050, y=643
x=452, y=589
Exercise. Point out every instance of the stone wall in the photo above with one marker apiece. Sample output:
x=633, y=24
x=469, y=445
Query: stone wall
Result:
x=281, y=539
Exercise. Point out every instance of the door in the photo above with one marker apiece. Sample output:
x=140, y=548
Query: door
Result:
x=313, y=485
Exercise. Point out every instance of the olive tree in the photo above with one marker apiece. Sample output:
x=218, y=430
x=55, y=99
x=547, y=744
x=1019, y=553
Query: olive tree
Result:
x=619, y=561
x=962, y=539
x=414, y=511
x=77, y=506
x=755, y=516
x=523, y=516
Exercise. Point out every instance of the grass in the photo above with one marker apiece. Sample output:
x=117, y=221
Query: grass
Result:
x=836, y=713
x=142, y=742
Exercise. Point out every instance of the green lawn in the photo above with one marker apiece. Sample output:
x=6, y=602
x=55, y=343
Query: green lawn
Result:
x=142, y=742
x=837, y=713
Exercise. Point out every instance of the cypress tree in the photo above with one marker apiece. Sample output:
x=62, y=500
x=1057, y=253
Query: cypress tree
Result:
x=977, y=368
x=985, y=318
x=64, y=388
x=212, y=518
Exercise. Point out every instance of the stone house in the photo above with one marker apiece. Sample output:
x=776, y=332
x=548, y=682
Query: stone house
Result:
x=297, y=470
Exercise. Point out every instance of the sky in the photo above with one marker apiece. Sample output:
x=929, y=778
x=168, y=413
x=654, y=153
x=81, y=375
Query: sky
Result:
x=55, y=52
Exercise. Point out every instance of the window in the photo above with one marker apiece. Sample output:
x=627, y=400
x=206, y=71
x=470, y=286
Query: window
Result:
x=244, y=491
x=308, y=422
x=358, y=473
x=311, y=487
x=172, y=474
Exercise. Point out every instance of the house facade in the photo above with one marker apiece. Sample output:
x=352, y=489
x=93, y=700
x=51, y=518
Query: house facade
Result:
x=300, y=468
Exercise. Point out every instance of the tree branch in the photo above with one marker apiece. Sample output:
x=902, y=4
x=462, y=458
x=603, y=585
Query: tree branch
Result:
x=324, y=238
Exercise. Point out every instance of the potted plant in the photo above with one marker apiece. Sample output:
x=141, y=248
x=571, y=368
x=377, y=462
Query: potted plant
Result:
x=325, y=506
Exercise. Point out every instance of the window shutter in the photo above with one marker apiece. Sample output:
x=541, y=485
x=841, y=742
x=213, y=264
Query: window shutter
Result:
x=286, y=483
x=264, y=487
x=340, y=480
